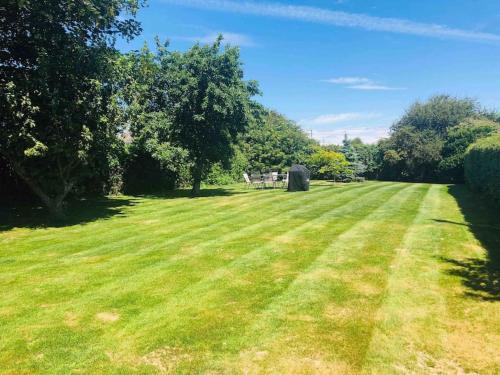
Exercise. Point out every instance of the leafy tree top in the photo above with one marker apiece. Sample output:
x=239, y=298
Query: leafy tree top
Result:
x=438, y=114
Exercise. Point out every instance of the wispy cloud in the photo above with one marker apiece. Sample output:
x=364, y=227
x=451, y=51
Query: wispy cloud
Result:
x=334, y=118
x=374, y=87
x=229, y=38
x=349, y=80
x=361, y=83
x=338, y=18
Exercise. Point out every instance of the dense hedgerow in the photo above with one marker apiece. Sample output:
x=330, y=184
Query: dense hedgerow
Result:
x=482, y=166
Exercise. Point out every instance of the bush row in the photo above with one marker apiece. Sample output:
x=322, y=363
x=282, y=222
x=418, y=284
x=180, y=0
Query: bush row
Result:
x=482, y=166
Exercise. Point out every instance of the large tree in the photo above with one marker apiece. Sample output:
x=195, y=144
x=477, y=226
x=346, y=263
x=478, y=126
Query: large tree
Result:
x=273, y=142
x=438, y=114
x=428, y=142
x=153, y=161
x=208, y=103
x=56, y=107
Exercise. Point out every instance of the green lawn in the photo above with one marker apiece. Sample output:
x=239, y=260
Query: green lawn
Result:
x=372, y=278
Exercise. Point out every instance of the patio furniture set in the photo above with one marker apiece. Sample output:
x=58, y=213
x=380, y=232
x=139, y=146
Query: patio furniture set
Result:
x=263, y=180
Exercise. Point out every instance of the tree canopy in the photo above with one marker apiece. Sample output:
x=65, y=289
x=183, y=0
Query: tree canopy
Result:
x=208, y=103
x=273, y=142
x=429, y=141
x=56, y=107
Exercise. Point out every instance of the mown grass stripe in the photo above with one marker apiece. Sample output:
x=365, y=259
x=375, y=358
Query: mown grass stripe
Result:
x=408, y=309
x=218, y=239
x=136, y=239
x=310, y=287
x=258, y=256
x=147, y=230
x=136, y=212
x=200, y=249
x=131, y=220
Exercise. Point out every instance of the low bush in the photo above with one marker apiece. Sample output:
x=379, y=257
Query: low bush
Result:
x=482, y=166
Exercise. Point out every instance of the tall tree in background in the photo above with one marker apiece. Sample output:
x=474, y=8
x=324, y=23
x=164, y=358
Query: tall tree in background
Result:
x=273, y=142
x=420, y=140
x=153, y=162
x=438, y=114
x=56, y=107
x=208, y=101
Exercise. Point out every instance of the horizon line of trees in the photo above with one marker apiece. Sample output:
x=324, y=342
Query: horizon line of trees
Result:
x=78, y=117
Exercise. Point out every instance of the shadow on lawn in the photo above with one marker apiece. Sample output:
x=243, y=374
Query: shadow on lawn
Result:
x=480, y=276
x=76, y=212
x=186, y=193
x=32, y=215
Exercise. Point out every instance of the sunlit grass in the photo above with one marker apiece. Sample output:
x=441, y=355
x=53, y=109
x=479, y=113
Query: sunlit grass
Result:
x=361, y=278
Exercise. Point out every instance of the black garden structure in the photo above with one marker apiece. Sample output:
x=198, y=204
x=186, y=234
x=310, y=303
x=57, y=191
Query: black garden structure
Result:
x=298, y=178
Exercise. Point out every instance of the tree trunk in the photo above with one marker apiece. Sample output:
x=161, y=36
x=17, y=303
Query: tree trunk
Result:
x=53, y=204
x=195, y=191
x=55, y=207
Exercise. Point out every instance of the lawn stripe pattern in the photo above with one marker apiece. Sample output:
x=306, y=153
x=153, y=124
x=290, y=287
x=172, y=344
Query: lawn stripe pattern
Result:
x=344, y=279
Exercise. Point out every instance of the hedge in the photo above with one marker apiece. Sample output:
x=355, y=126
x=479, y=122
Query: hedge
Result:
x=482, y=166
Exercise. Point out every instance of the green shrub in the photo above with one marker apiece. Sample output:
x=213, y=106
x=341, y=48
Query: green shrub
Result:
x=482, y=166
x=219, y=176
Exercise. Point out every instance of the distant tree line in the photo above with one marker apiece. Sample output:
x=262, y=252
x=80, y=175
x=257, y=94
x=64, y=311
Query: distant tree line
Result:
x=78, y=117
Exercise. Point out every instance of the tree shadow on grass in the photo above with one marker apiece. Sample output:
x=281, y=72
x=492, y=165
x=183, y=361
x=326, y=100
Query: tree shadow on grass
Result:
x=480, y=276
x=33, y=215
x=76, y=212
x=186, y=193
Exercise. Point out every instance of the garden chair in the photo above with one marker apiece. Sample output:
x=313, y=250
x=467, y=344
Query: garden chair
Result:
x=268, y=179
x=248, y=182
x=256, y=180
x=275, y=179
x=284, y=181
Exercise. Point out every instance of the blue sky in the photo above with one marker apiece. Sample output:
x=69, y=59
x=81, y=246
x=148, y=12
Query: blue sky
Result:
x=338, y=66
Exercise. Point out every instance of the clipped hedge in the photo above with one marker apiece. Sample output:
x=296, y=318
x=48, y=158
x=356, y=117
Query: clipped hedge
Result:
x=482, y=166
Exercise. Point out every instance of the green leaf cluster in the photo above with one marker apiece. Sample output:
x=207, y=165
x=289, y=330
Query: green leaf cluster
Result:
x=482, y=166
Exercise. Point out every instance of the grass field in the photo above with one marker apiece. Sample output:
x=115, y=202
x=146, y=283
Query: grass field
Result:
x=372, y=278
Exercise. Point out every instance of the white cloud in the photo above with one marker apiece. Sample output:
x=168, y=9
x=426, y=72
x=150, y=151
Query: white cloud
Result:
x=374, y=87
x=349, y=81
x=234, y=39
x=337, y=18
x=334, y=118
x=361, y=83
x=368, y=134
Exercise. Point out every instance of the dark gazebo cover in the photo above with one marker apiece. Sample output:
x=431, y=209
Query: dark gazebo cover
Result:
x=298, y=178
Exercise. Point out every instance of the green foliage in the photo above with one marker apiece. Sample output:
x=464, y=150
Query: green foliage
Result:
x=411, y=154
x=220, y=175
x=57, y=115
x=451, y=167
x=438, y=114
x=482, y=166
x=207, y=103
x=272, y=142
x=428, y=143
x=326, y=164
x=363, y=157
x=154, y=162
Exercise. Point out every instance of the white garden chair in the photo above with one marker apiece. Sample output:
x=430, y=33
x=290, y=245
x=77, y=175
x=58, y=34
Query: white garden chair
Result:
x=254, y=181
x=268, y=179
x=274, y=175
x=284, y=182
